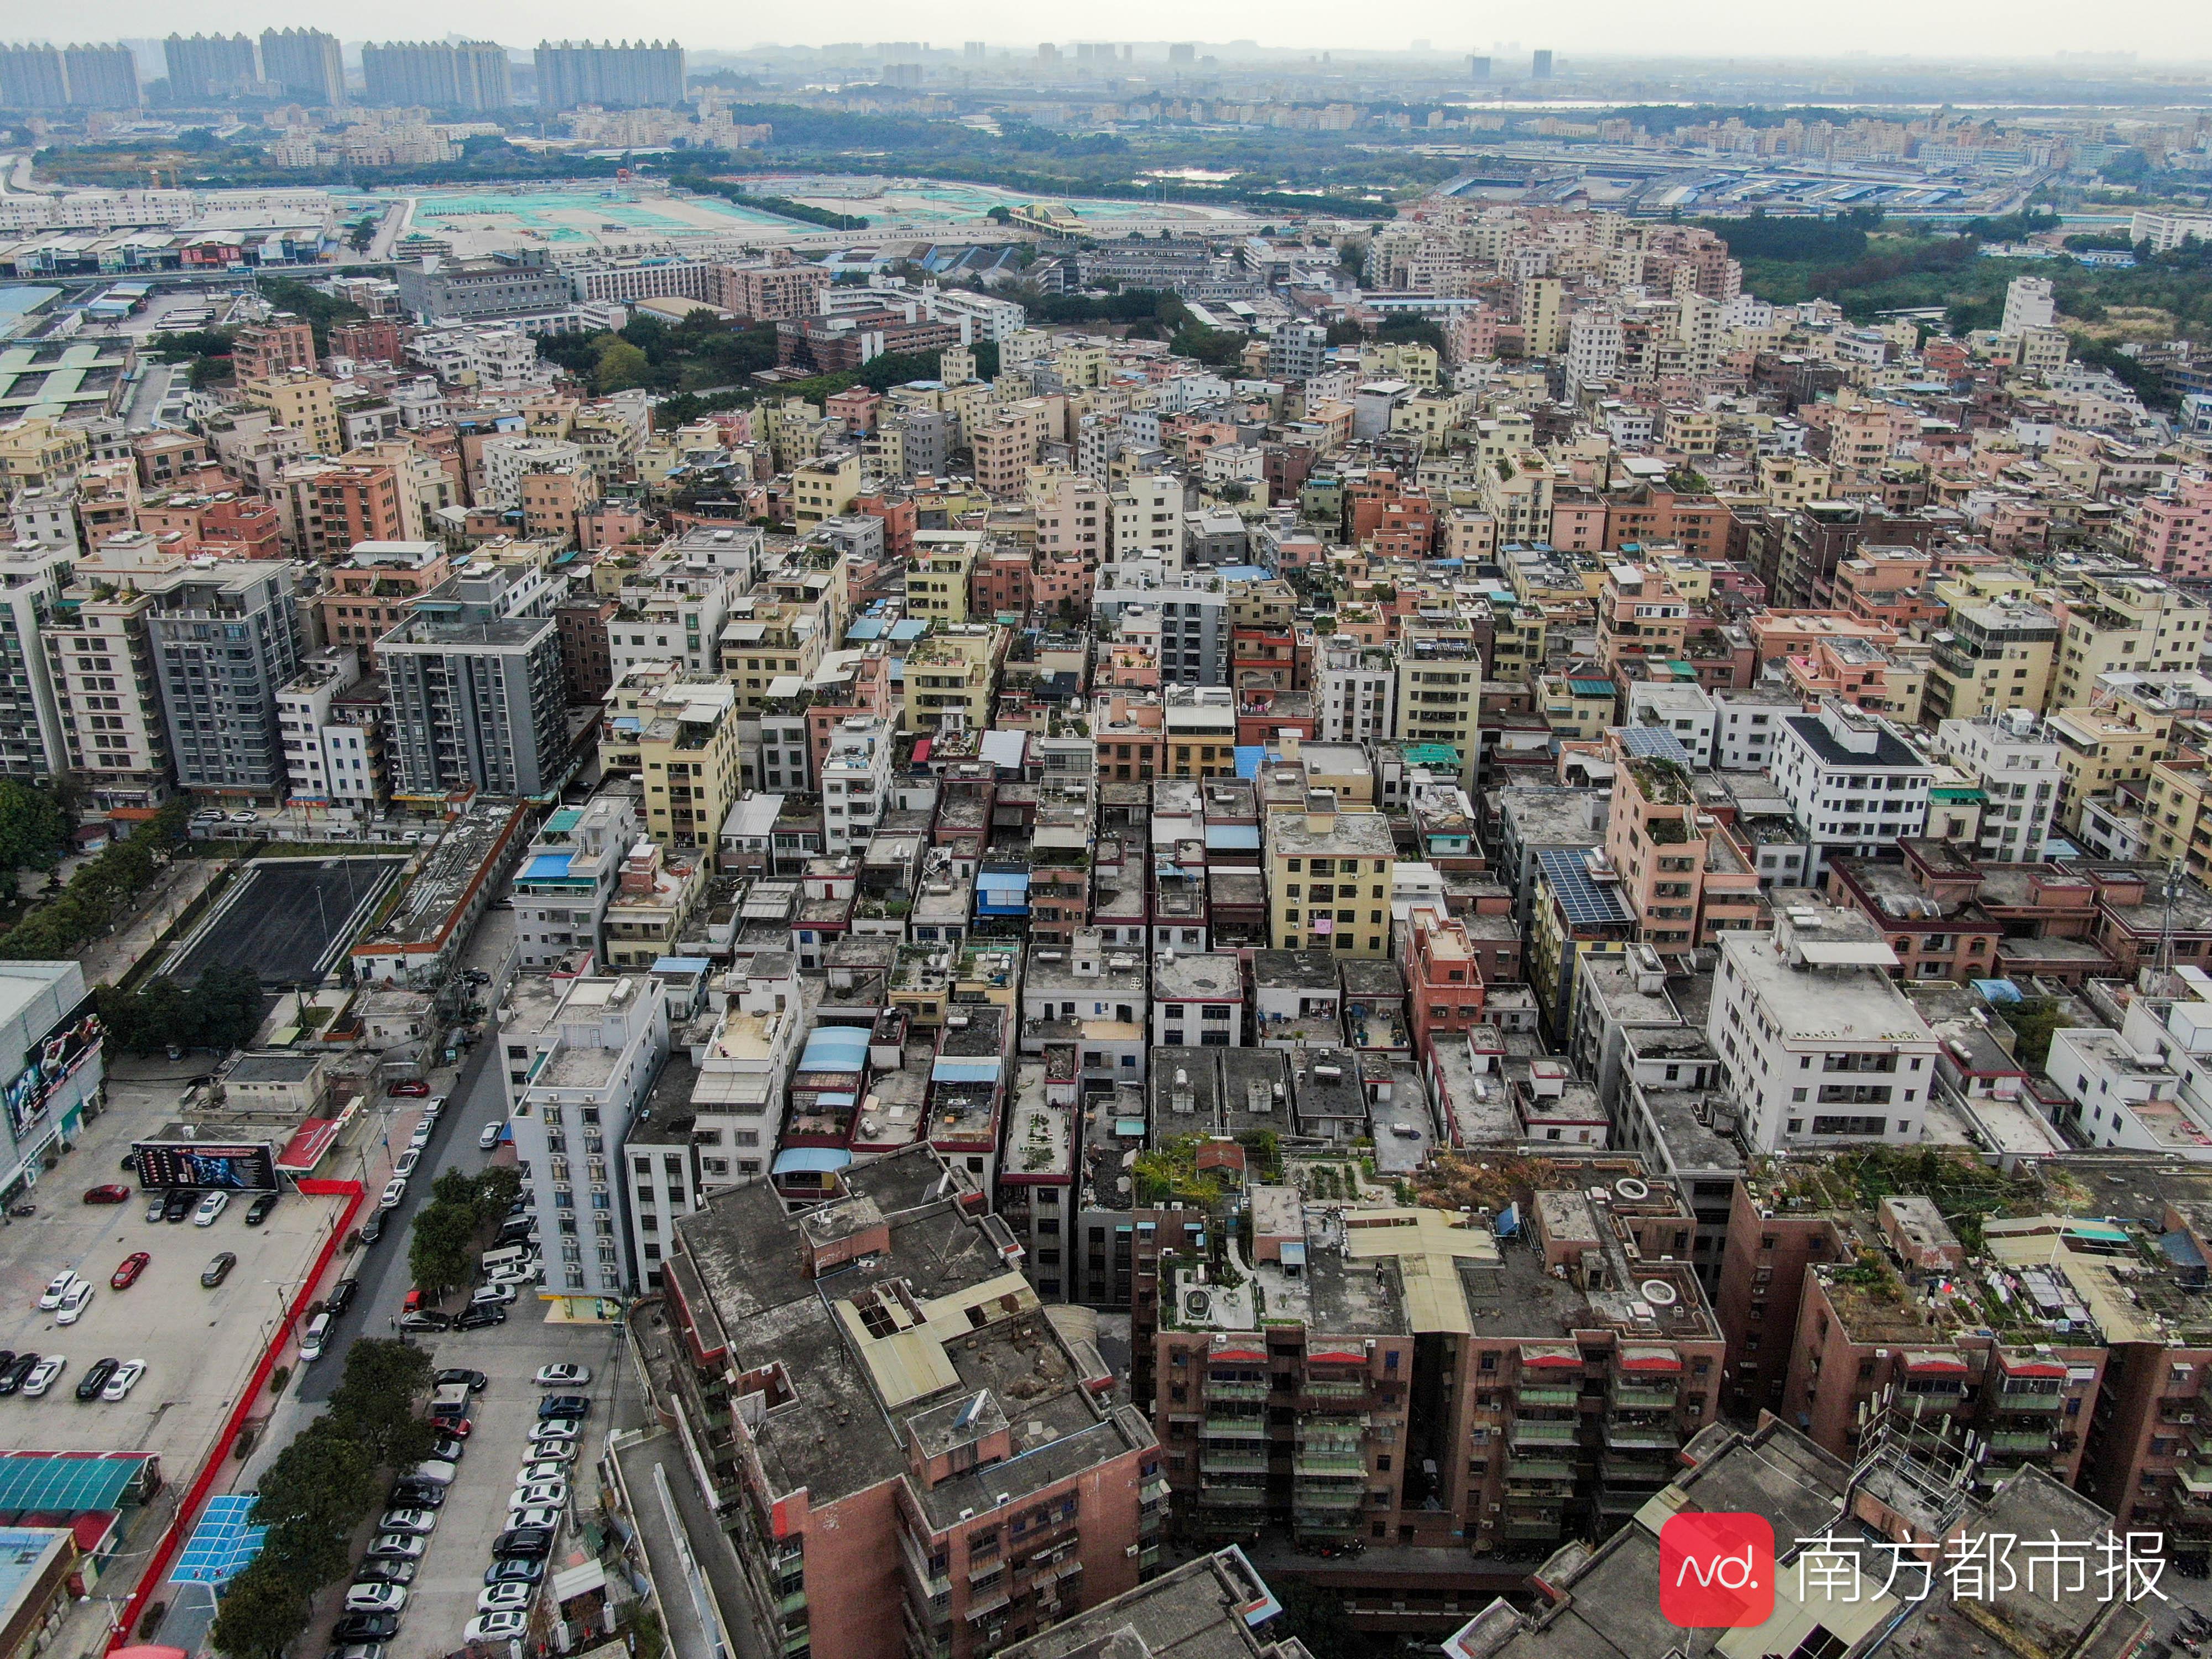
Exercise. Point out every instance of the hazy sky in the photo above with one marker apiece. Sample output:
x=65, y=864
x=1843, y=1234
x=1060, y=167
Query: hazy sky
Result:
x=2161, y=31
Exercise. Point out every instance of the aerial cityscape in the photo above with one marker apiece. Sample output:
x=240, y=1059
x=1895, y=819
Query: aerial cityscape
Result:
x=1325, y=844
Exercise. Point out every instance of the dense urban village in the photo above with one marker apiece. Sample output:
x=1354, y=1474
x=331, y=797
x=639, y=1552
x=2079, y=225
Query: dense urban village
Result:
x=1103, y=849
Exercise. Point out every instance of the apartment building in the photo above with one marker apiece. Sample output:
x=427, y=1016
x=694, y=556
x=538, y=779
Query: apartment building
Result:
x=687, y=761
x=1328, y=879
x=226, y=640
x=474, y=703
x=32, y=580
x=107, y=696
x=1355, y=690
x=991, y=1486
x=1439, y=694
x=2017, y=770
x=1854, y=782
x=568, y=876
x=856, y=781
x=579, y=1056
x=1818, y=1047
x=2121, y=622
x=365, y=596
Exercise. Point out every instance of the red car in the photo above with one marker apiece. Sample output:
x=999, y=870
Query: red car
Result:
x=410, y=1086
x=127, y=1275
x=108, y=1195
x=460, y=1427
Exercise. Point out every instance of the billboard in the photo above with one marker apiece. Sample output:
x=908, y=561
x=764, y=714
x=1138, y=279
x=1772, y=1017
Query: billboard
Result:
x=55, y=1059
x=234, y=1166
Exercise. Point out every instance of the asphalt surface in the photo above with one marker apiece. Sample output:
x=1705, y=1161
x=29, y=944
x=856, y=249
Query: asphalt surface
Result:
x=474, y=1099
x=284, y=917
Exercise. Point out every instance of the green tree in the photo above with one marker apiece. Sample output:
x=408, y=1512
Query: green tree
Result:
x=312, y=1495
x=621, y=366
x=261, y=1613
x=498, y=1188
x=375, y=1399
x=34, y=829
x=438, y=1253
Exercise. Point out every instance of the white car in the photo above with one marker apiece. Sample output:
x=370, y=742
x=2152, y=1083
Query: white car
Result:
x=43, y=1375
x=432, y=1107
x=494, y=1295
x=503, y=1626
x=126, y=1377
x=421, y=1137
x=563, y=1376
x=492, y=1132
x=552, y=1492
x=210, y=1206
x=73, y=1305
x=553, y=1452
x=543, y=1470
x=534, y=1515
x=506, y=1598
x=406, y=1165
x=556, y=1428
x=394, y=1190
x=57, y=1287
x=375, y=1598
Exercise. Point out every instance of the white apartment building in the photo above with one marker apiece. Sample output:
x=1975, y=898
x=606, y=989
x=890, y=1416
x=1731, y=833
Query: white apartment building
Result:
x=977, y=316
x=737, y=1101
x=328, y=758
x=568, y=876
x=46, y=515
x=672, y=608
x=1687, y=711
x=1818, y=1047
x=491, y=357
x=2029, y=303
x=856, y=780
x=2020, y=776
x=1198, y=999
x=1355, y=690
x=1593, y=348
x=1744, y=723
x=1148, y=520
x=1856, y=785
x=580, y=1056
x=508, y=461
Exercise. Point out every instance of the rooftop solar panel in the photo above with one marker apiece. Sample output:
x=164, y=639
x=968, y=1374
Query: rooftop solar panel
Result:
x=1583, y=901
x=1653, y=743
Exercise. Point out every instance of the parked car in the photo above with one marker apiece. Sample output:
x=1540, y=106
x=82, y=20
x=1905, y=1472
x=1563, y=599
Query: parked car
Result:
x=394, y=1190
x=415, y=1521
x=179, y=1204
x=57, y=1287
x=96, y=1378
x=429, y=1319
x=258, y=1212
x=553, y=1451
x=126, y=1378
x=564, y=1405
x=218, y=1270
x=341, y=1296
x=447, y=1423
x=127, y=1275
x=396, y=1545
x=417, y=1495
x=157, y=1205
x=527, y=1542
x=360, y=1650
x=542, y=1514
x=556, y=1428
x=474, y=1381
x=111, y=1193
x=373, y=1229
x=312, y=1339
x=385, y=1572
x=404, y=1166
x=438, y=1470
x=409, y=1085
x=375, y=1598
x=506, y=1598
x=541, y=1470
x=432, y=1107
x=246, y=817
x=492, y=1131
x=552, y=1494
x=43, y=1375
x=210, y=1207
x=480, y=1314
x=492, y=1296
x=448, y=1448
x=517, y=1569
x=366, y=1627
x=420, y=1137
x=496, y=1627
x=561, y=1377
x=19, y=1370
x=74, y=1304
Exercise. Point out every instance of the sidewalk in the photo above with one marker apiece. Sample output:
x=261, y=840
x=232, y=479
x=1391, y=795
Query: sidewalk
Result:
x=106, y=960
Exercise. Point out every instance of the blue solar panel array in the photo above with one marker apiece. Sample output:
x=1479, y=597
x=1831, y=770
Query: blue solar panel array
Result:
x=222, y=1543
x=1582, y=900
x=1652, y=743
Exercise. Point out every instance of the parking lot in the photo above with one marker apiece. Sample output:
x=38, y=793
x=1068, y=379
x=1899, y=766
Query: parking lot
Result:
x=286, y=918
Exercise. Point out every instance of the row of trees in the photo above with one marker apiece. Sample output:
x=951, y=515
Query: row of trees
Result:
x=461, y=1208
x=99, y=893
x=35, y=826
x=221, y=1011
x=315, y=1493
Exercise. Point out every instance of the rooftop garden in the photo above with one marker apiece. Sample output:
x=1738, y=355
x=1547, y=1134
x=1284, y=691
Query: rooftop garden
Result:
x=1965, y=1191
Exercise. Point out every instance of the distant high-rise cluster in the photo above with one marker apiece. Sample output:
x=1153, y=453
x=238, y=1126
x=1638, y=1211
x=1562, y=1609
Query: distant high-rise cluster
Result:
x=305, y=62
x=472, y=74
x=206, y=66
x=624, y=77
x=34, y=77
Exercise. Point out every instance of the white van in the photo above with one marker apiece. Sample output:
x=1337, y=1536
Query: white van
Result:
x=312, y=1340
x=513, y=1256
x=450, y=1396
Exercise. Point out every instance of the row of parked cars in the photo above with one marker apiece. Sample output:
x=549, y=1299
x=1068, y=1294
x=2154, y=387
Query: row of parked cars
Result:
x=379, y=1594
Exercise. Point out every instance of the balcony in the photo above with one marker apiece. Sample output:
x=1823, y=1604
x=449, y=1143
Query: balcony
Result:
x=1317, y=1461
x=1639, y=1400
x=1233, y=1428
x=2025, y=1401
x=1539, y=1468
x=1526, y=1432
x=1317, y=1388
x=1232, y=1459
x=1549, y=1397
x=1236, y=1391
x=1327, y=1499
x=1641, y=1436
x=2028, y=1442
x=1226, y=1496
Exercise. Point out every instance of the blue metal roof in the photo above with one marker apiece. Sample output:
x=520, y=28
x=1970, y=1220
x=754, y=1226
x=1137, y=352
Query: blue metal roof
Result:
x=222, y=1543
x=834, y=1048
x=1232, y=836
x=868, y=628
x=909, y=628
x=952, y=1069
x=1015, y=878
x=810, y=1160
x=1249, y=759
